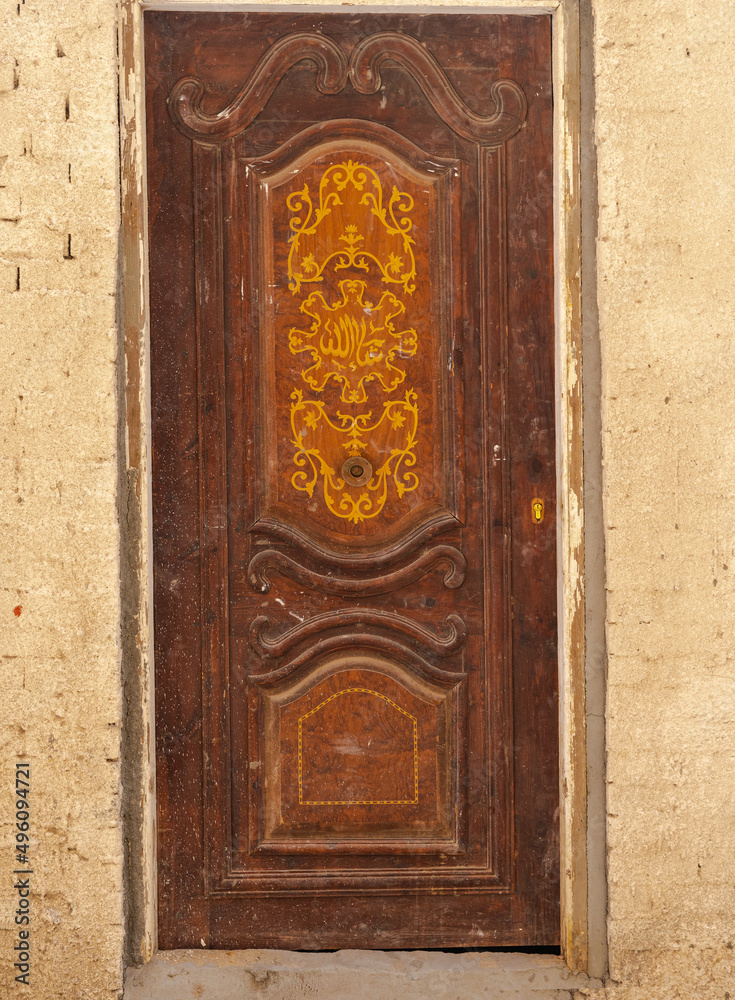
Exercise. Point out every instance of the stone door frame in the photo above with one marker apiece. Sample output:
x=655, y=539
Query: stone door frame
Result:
x=580, y=546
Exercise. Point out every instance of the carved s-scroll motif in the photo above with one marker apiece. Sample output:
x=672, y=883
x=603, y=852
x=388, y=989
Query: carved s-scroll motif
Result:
x=392, y=46
x=360, y=642
x=185, y=100
x=438, y=555
x=360, y=561
x=443, y=645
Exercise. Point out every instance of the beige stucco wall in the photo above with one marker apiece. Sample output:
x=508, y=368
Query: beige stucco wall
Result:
x=59, y=690
x=666, y=247
x=665, y=148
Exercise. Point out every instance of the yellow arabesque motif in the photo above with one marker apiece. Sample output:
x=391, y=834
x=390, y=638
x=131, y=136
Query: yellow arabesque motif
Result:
x=353, y=341
x=399, y=419
x=354, y=253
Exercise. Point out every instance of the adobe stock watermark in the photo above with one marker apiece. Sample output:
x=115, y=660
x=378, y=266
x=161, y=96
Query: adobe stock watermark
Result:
x=22, y=874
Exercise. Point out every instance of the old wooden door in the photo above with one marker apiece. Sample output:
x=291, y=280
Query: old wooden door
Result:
x=353, y=480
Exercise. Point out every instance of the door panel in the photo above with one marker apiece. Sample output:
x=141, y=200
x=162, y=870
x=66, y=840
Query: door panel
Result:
x=352, y=383
x=347, y=268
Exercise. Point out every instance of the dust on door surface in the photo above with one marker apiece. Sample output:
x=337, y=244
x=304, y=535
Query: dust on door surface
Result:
x=351, y=253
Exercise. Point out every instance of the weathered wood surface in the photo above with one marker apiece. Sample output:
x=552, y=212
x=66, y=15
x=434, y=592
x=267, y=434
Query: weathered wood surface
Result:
x=353, y=415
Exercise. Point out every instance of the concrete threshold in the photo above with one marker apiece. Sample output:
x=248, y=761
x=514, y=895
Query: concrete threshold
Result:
x=353, y=975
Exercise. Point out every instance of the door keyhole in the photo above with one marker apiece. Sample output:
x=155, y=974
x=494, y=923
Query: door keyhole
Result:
x=357, y=471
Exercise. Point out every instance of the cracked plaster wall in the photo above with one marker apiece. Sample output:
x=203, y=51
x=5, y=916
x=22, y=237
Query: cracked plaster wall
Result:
x=665, y=148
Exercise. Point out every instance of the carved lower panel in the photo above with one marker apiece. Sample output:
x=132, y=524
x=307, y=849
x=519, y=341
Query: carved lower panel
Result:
x=362, y=753
x=356, y=748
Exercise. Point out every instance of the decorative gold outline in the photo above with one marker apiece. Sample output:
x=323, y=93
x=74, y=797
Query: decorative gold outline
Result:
x=361, y=802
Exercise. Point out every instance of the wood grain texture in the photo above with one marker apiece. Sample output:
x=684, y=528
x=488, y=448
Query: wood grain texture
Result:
x=262, y=642
x=355, y=671
x=185, y=101
x=392, y=46
x=446, y=557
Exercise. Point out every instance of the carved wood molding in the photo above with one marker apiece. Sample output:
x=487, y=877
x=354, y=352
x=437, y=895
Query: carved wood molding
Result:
x=361, y=641
x=279, y=644
x=392, y=46
x=363, y=70
x=272, y=559
x=365, y=561
x=362, y=136
x=185, y=100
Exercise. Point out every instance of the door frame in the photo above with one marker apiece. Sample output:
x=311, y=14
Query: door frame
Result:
x=579, y=538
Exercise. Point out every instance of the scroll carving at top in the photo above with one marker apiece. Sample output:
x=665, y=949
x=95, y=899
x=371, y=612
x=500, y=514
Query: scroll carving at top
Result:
x=185, y=100
x=363, y=70
x=392, y=46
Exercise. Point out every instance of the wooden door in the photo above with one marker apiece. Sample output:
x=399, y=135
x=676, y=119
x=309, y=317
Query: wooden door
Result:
x=353, y=479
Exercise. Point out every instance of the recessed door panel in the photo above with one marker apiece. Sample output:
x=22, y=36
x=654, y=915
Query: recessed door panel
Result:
x=352, y=383
x=357, y=752
x=356, y=284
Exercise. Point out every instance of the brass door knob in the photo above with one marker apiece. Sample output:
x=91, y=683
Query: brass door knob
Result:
x=357, y=471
